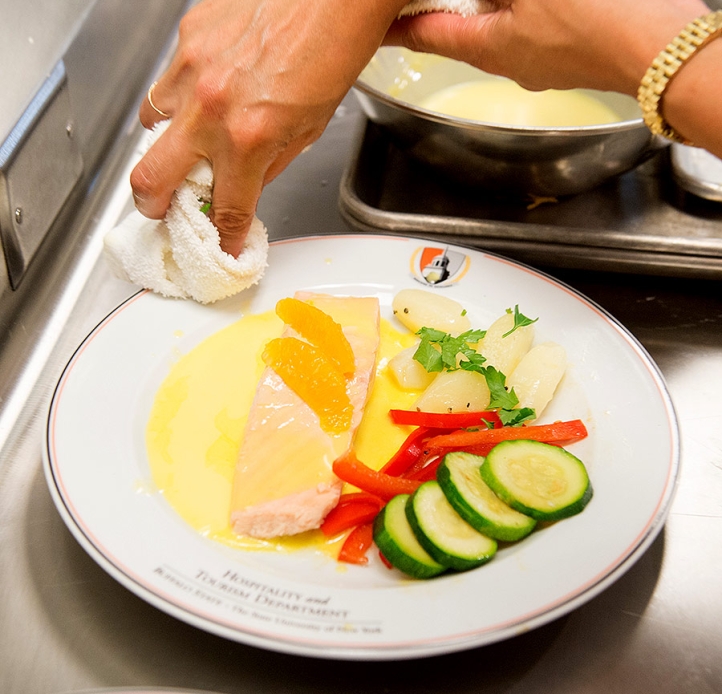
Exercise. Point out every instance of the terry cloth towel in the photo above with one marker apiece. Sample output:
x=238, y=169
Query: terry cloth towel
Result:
x=465, y=8
x=180, y=256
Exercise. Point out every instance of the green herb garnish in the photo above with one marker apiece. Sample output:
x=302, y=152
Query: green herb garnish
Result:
x=513, y=418
x=504, y=400
x=500, y=396
x=520, y=320
x=439, y=351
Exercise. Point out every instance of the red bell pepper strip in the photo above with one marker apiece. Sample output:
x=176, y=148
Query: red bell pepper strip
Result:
x=355, y=546
x=351, y=470
x=352, y=510
x=385, y=561
x=445, y=420
x=420, y=464
x=428, y=472
x=409, y=452
x=559, y=432
x=354, y=497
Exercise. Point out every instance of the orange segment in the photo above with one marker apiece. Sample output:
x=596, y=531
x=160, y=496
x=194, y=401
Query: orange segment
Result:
x=319, y=329
x=314, y=377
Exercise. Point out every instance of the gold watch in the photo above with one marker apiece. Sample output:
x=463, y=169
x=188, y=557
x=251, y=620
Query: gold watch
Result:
x=666, y=65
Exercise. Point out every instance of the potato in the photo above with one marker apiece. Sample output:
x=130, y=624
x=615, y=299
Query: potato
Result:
x=455, y=391
x=409, y=374
x=505, y=353
x=538, y=374
x=417, y=309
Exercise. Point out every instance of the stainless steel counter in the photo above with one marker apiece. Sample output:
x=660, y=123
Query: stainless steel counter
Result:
x=66, y=625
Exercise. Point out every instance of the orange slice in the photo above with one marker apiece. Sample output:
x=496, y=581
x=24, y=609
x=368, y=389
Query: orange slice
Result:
x=315, y=377
x=319, y=329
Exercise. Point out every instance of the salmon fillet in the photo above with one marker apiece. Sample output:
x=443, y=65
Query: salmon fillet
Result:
x=284, y=483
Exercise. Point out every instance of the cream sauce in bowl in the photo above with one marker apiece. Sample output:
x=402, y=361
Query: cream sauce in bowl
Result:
x=506, y=103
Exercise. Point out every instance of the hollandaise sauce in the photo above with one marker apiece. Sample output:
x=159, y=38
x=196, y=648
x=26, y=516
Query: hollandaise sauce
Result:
x=506, y=103
x=196, y=425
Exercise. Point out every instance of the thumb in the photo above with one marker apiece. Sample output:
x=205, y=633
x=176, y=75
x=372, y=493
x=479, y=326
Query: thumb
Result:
x=442, y=33
x=426, y=33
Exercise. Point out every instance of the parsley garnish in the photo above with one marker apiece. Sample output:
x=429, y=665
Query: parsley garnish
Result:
x=505, y=400
x=500, y=396
x=513, y=418
x=439, y=351
x=520, y=320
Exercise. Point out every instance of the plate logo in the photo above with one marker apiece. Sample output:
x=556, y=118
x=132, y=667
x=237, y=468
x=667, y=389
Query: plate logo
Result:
x=438, y=266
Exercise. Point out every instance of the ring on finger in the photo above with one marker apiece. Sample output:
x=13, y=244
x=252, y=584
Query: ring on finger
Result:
x=152, y=105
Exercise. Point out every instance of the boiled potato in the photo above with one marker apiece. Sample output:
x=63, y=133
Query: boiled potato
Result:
x=538, y=374
x=455, y=391
x=417, y=309
x=505, y=353
x=409, y=374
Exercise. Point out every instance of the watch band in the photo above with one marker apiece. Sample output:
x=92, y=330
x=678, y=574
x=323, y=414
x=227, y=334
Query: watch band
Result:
x=666, y=65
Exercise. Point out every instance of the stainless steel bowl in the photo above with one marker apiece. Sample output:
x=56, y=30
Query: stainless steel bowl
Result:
x=524, y=160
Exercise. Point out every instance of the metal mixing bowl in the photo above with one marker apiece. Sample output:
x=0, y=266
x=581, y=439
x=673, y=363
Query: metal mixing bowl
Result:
x=538, y=161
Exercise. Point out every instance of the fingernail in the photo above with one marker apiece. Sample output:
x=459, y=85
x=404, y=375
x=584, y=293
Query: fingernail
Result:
x=141, y=204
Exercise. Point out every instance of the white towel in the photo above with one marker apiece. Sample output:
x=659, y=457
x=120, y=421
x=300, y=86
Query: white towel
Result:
x=181, y=256
x=465, y=8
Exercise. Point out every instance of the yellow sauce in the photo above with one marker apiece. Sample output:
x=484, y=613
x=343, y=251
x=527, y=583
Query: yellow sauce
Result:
x=506, y=103
x=196, y=424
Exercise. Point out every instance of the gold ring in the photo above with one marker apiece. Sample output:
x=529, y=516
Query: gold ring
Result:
x=152, y=105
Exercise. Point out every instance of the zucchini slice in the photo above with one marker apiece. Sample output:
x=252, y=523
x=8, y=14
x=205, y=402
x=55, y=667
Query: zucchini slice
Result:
x=396, y=541
x=543, y=481
x=460, y=479
x=443, y=533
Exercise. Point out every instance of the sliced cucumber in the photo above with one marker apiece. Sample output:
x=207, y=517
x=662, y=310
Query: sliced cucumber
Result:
x=443, y=533
x=396, y=540
x=460, y=479
x=543, y=481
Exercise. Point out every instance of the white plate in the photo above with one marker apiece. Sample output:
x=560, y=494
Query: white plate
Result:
x=305, y=604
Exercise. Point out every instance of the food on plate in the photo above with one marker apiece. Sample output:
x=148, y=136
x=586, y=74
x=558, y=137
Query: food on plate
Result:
x=507, y=340
x=416, y=309
x=537, y=375
x=454, y=391
x=462, y=484
x=304, y=416
x=195, y=426
x=537, y=479
x=408, y=372
x=318, y=328
x=398, y=543
x=443, y=533
x=335, y=450
x=466, y=417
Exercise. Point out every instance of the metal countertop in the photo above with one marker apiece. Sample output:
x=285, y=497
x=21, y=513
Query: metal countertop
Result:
x=66, y=625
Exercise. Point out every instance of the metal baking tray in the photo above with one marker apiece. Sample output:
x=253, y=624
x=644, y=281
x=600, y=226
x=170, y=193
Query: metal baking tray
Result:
x=641, y=222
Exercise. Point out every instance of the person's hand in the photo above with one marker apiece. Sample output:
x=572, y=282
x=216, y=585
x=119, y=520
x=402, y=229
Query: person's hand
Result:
x=559, y=44
x=252, y=83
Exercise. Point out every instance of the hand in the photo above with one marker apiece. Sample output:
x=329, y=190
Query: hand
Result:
x=252, y=83
x=560, y=44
